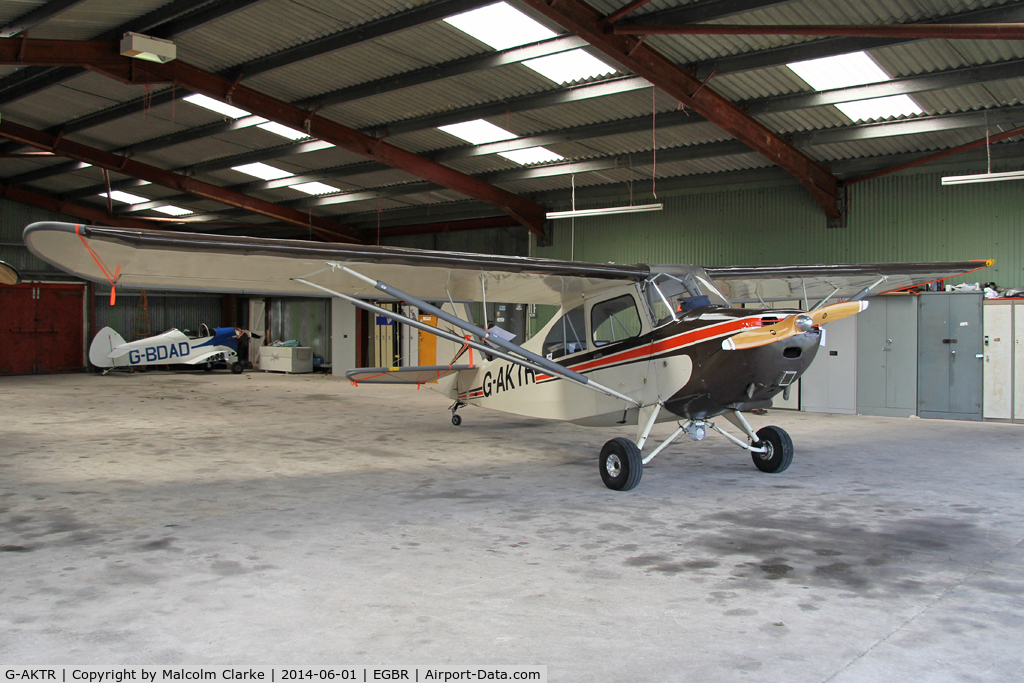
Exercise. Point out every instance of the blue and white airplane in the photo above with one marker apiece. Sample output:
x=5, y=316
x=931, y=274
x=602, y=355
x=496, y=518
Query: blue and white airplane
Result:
x=109, y=350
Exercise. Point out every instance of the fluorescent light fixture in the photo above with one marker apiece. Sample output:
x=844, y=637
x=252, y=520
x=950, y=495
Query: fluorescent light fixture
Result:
x=262, y=171
x=500, y=26
x=283, y=131
x=148, y=48
x=314, y=188
x=566, y=67
x=172, y=210
x=982, y=178
x=217, y=106
x=856, y=68
x=125, y=197
x=611, y=210
x=477, y=132
x=531, y=155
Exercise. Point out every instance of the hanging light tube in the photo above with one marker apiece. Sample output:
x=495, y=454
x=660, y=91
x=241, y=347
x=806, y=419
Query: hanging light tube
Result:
x=580, y=213
x=982, y=178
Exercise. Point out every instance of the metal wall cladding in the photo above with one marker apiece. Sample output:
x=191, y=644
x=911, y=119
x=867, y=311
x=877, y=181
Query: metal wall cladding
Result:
x=306, y=320
x=167, y=310
x=13, y=220
x=892, y=219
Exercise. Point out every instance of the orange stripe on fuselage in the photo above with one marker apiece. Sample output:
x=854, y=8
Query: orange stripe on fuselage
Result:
x=669, y=344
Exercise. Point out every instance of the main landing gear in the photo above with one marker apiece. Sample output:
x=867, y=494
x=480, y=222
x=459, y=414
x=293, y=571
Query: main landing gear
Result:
x=621, y=463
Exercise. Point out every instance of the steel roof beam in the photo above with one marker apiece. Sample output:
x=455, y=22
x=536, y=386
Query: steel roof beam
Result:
x=585, y=22
x=112, y=162
x=912, y=84
x=1005, y=116
x=708, y=10
x=36, y=16
x=168, y=21
x=211, y=85
x=1011, y=31
x=786, y=54
x=86, y=213
x=702, y=11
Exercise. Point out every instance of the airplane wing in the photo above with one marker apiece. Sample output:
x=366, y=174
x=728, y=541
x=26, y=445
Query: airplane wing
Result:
x=186, y=261
x=167, y=260
x=745, y=284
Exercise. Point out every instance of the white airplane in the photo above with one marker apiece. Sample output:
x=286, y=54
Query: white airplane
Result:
x=109, y=350
x=631, y=344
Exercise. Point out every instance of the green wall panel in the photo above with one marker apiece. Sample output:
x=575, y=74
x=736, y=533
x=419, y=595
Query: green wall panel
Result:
x=895, y=218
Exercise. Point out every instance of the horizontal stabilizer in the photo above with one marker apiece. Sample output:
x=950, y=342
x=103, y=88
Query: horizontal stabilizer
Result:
x=413, y=374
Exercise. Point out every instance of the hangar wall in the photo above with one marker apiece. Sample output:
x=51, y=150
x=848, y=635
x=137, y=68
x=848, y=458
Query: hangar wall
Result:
x=894, y=218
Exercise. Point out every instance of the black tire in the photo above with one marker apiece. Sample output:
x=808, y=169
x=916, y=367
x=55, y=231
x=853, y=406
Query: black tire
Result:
x=236, y=368
x=208, y=367
x=620, y=464
x=780, y=452
x=456, y=419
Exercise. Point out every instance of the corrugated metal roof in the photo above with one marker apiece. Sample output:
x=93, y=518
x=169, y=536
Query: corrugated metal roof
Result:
x=365, y=62
x=273, y=25
x=270, y=26
x=89, y=19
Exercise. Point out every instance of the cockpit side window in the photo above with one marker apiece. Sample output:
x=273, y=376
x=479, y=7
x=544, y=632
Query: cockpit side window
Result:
x=615, y=320
x=567, y=336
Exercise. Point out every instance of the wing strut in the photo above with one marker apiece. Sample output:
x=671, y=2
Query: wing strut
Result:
x=529, y=360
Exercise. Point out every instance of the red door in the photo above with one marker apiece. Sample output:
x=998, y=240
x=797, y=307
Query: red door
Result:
x=41, y=329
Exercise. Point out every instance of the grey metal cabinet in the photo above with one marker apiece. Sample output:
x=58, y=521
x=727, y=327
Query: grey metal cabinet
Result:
x=830, y=384
x=950, y=355
x=887, y=357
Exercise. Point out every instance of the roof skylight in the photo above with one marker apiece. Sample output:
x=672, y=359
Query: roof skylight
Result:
x=283, y=131
x=480, y=132
x=477, y=132
x=531, y=155
x=126, y=197
x=314, y=188
x=501, y=26
x=172, y=210
x=217, y=106
x=880, y=108
x=856, y=68
x=262, y=171
x=566, y=67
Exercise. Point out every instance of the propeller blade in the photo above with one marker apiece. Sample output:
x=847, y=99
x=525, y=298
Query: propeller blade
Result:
x=792, y=326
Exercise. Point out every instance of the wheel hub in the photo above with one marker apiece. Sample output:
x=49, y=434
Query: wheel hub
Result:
x=769, y=451
x=613, y=465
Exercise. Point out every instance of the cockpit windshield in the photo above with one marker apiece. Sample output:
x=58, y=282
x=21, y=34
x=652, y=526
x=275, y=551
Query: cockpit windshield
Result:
x=672, y=291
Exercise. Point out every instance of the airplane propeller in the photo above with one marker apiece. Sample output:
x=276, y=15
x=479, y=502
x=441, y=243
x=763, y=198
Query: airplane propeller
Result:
x=792, y=326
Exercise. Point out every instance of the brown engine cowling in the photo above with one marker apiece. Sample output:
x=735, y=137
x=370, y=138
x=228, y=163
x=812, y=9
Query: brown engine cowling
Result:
x=742, y=379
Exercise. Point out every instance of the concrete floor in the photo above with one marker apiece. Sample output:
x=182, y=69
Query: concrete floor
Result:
x=296, y=520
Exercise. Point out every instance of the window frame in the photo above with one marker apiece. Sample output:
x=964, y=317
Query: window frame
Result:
x=643, y=316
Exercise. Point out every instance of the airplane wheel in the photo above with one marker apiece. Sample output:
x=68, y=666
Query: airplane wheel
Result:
x=236, y=368
x=620, y=464
x=780, y=450
x=456, y=419
x=208, y=367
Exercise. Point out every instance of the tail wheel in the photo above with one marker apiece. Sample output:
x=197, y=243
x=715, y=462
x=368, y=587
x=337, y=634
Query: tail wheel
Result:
x=620, y=464
x=778, y=453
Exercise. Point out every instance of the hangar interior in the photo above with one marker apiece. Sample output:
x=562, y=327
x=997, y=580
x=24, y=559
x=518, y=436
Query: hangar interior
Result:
x=758, y=132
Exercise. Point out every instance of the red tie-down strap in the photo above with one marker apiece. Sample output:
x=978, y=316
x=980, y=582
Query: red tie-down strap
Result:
x=112, y=278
